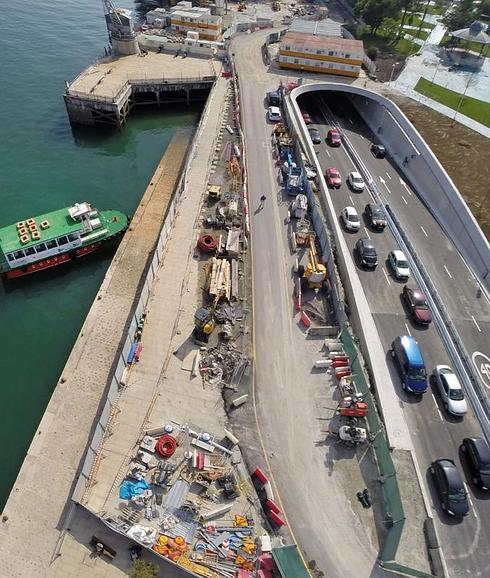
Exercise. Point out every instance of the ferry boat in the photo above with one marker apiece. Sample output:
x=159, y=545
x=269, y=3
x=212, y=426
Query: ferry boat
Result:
x=55, y=238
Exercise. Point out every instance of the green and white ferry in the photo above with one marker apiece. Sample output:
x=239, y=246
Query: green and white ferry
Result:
x=39, y=243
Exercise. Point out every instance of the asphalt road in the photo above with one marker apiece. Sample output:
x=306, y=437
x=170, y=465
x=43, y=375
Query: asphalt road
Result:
x=434, y=434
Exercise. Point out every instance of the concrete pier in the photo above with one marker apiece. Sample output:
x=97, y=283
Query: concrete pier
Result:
x=105, y=92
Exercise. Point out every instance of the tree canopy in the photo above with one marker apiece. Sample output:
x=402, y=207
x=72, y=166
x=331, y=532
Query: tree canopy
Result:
x=374, y=12
x=460, y=16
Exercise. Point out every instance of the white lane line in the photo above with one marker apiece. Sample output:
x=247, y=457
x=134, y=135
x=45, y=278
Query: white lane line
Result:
x=351, y=200
x=437, y=407
x=386, y=276
x=408, y=329
x=404, y=200
x=447, y=271
x=362, y=137
x=424, y=231
x=477, y=326
x=328, y=152
x=367, y=232
x=404, y=184
x=388, y=175
x=383, y=182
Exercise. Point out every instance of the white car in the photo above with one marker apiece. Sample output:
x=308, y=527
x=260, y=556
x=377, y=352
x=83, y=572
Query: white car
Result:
x=274, y=114
x=399, y=264
x=351, y=219
x=356, y=182
x=450, y=390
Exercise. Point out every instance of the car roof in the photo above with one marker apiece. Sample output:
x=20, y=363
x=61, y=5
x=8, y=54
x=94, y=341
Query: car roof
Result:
x=452, y=380
x=333, y=169
x=452, y=475
x=366, y=242
x=399, y=255
x=350, y=210
x=417, y=293
x=375, y=206
x=412, y=350
x=334, y=130
x=274, y=109
x=356, y=174
x=482, y=449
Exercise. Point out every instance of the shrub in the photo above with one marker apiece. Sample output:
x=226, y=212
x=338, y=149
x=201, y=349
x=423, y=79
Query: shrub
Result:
x=372, y=52
x=142, y=569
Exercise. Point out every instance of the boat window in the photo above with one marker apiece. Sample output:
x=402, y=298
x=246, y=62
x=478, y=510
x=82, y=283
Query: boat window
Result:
x=30, y=251
x=40, y=248
x=19, y=254
x=51, y=244
x=72, y=237
x=62, y=241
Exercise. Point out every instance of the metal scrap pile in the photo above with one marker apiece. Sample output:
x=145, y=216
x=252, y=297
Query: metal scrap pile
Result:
x=223, y=365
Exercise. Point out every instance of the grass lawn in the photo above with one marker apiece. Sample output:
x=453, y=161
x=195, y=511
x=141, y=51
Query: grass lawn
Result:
x=415, y=20
x=385, y=43
x=423, y=34
x=476, y=109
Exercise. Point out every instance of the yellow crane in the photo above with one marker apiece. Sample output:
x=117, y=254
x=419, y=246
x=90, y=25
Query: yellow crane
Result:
x=314, y=272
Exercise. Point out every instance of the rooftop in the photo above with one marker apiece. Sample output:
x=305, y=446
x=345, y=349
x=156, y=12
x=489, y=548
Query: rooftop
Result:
x=325, y=27
x=301, y=40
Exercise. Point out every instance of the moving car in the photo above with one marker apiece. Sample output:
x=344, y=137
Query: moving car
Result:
x=450, y=390
x=409, y=362
x=450, y=487
x=333, y=178
x=399, y=264
x=306, y=117
x=315, y=136
x=477, y=455
x=378, y=151
x=351, y=219
x=356, y=182
x=417, y=305
x=375, y=215
x=333, y=137
x=367, y=252
x=274, y=114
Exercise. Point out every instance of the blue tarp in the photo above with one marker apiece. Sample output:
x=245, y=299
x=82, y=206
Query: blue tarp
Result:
x=129, y=489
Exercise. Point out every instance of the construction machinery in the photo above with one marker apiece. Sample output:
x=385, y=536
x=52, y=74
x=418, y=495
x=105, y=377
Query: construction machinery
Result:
x=276, y=6
x=312, y=270
x=242, y=6
x=299, y=207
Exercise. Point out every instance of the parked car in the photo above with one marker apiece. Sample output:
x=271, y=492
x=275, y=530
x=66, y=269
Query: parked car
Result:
x=450, y=487
x=410, y=364
x=315, y=136
x=333, y=137
x=274, y=98
x=375, y=215
x=274, y=114
x=367, y=252
x=333, y=178
x=399, y=264
x=310, y=172
x=450, y=390
x=351, y=219
x=417, y=305
x=378, y=151
x=356, y=182
x=306, y=117
x=477, y=455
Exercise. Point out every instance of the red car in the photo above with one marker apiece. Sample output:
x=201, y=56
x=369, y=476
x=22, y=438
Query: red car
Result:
x=333, y=137
x=306, y=117
x=417, y=305
x=333, y=177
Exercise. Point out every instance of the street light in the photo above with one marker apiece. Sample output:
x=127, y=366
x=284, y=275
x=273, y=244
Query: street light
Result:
x=393, y=70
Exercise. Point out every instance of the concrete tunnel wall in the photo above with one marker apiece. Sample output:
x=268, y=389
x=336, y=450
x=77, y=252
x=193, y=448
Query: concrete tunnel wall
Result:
x=423, y=170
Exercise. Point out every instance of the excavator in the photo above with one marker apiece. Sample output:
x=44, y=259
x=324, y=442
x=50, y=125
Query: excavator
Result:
x=314, y=272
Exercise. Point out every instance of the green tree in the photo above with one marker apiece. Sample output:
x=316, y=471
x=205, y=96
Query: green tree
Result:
x=460, y=16
x=374, y=12
x=142, y=569
x=405, y=6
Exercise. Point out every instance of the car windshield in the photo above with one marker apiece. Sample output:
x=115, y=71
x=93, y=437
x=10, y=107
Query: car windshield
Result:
x=402, y=264
x=377, y=213
x=334, y=173
x=417, y=373
x=457, y=495
x=369, y=250
x=357, y=179
x=353, y=218
x=456, y=394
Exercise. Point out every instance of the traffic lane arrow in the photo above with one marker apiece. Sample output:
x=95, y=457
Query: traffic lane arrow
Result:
x=404, y=184
x=383, y=182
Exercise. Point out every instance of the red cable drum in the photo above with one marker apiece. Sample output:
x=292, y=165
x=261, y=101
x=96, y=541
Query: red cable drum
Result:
x=166, y=446
x=207, y=243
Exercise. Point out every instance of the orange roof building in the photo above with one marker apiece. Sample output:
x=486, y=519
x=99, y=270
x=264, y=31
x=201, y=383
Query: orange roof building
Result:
x=318, y=53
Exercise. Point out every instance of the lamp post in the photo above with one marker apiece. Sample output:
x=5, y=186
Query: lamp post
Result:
x=393, y=70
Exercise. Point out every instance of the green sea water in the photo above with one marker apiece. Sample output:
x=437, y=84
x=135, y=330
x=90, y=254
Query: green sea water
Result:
x=45, y=165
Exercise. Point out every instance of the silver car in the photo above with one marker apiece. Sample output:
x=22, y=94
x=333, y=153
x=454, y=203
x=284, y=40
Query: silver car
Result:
x=351, y=219
x=356, y=182
x=450, y=390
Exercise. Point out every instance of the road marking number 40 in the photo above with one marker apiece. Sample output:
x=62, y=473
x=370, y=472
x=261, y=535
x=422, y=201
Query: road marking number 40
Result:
x=482, y=364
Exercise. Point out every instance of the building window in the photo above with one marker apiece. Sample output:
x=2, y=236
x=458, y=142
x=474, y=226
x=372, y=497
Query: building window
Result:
x=62, y=241
x=72, y=237
x=51, y=244
x=330, y=52
x=287, y=48
x=319, y=51
x=296, y=61
x=40, y=248
x=30, y=251
x=19, y=255
x=347, y=55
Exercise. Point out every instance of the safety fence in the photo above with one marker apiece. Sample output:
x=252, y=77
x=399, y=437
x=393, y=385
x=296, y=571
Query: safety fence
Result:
x=103, y=425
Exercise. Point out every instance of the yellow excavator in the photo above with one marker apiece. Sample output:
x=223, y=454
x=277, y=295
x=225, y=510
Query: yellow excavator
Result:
x=314, y=272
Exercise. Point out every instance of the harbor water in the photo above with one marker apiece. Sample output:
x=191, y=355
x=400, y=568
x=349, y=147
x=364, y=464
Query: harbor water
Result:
x=45, y=165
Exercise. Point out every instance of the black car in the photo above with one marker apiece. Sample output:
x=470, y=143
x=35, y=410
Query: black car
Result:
x=378, y=151
x=367, y=252
x=375, y=216
x=450, y=487
x=477, y=454
x=315, y=136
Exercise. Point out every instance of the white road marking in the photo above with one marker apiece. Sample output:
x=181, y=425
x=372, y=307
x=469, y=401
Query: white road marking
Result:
x=362, y=137
x=367, y=232
x=447, y=271
x=404, y=200
x=386, y=275
x=424, y=231
x=382, y=181
x=477, y=326
x=328, y=152
x=388, y=175
x=351, y=200
x=437, y=407
x=404, y=184
x=408, y=329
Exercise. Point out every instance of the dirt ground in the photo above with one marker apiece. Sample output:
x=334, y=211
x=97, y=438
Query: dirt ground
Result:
x=465, y=154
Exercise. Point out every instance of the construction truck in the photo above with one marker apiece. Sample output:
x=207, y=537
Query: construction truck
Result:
x=308, y=266
x=294, y=181
x=299, y=207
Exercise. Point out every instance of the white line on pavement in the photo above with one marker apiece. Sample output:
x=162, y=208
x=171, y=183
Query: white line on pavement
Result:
x=437, y=407
x=424, y=231
x=351, y=200
x=328, y=152
x=386, y=275
x=404, y=200
x=367, y=232
x=469, y=270
x=362, y=137
x=447, y=271
x=477, y=326
x=388, y=175
x=408, y=329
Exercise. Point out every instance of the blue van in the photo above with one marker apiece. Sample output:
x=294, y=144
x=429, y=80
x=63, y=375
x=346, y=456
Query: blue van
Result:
x=410, y=364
